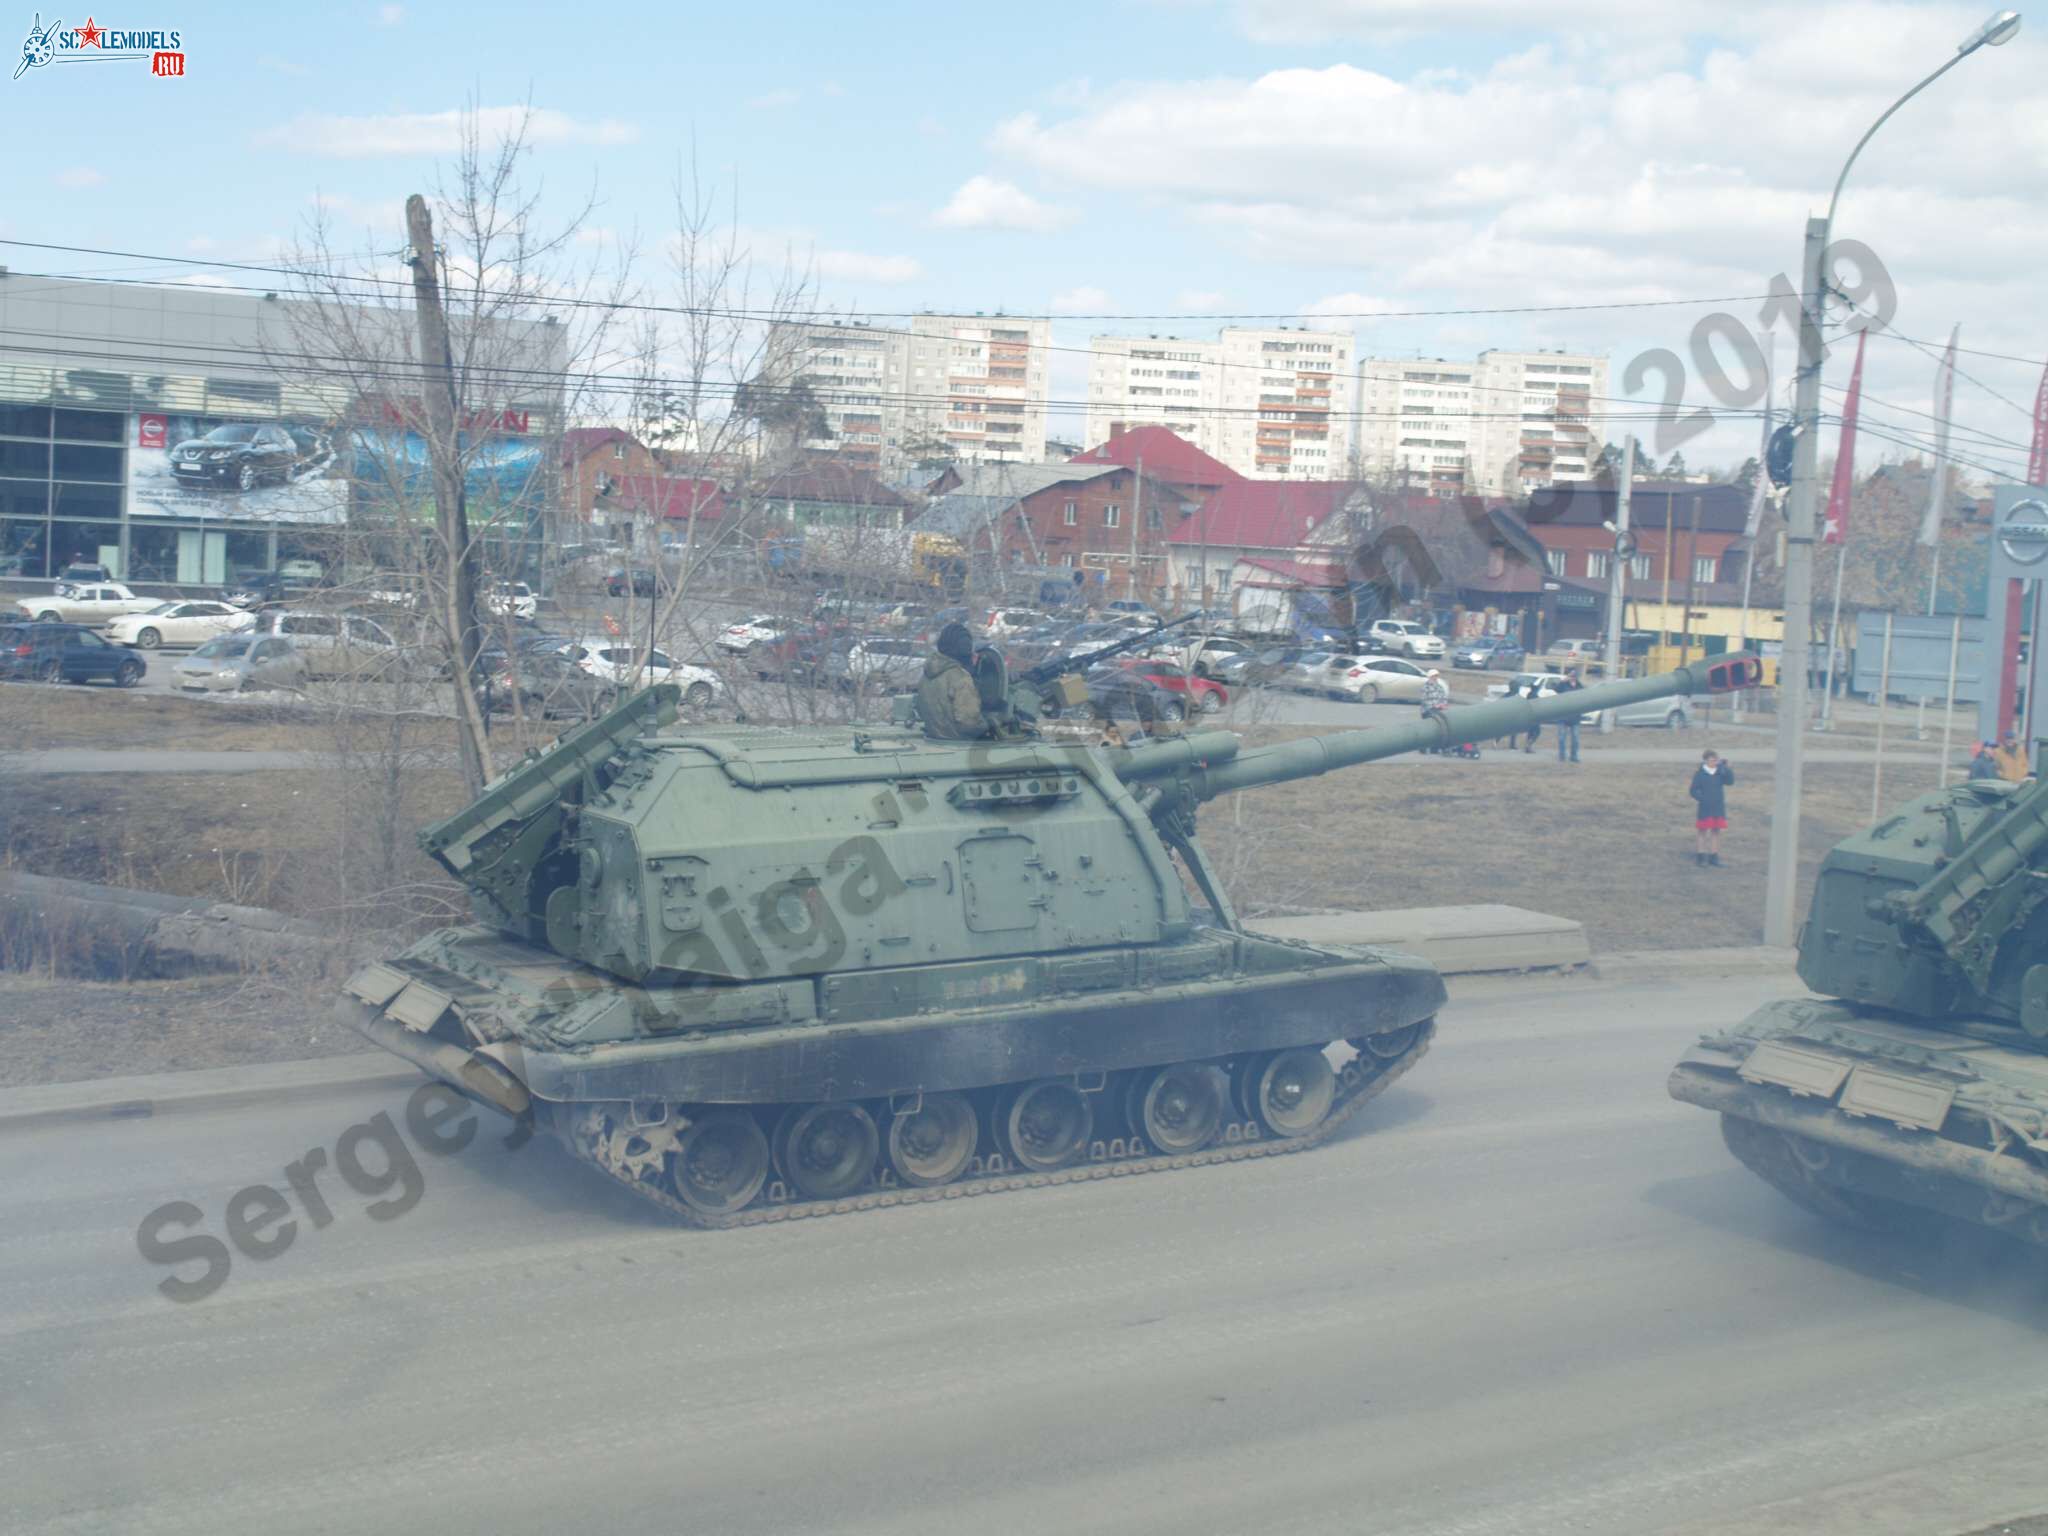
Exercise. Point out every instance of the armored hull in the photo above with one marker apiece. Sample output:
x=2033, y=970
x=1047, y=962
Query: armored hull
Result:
x=1920, y=1077
x=757, y=974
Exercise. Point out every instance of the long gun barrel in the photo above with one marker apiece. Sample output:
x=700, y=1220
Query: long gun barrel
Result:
x=1222, y=769
x=1047, y=670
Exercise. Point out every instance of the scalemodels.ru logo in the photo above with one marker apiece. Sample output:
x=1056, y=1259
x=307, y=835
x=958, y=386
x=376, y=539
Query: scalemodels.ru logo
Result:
x=160, y=48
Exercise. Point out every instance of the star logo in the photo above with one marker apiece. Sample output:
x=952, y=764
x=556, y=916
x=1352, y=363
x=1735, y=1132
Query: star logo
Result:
x=89, y=35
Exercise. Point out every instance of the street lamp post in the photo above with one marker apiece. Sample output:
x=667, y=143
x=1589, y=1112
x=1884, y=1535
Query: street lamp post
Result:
x=1781, y=879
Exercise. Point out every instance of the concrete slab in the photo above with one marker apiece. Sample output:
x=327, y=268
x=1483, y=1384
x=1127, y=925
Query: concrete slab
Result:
x=123, y=1098
x=1456, y=940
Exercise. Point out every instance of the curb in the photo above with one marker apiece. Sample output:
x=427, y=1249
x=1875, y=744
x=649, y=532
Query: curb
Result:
x=1673, y=964
x=142, y=1098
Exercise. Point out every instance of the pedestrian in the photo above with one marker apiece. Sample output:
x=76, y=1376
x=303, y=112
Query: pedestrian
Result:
x=1710, y=782
x=2011, y=759
x=1532, y=693
x=1568, y=727
x=1984, y=761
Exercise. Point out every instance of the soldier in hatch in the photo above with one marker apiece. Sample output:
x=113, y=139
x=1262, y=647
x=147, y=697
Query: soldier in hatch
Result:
x=947, y=700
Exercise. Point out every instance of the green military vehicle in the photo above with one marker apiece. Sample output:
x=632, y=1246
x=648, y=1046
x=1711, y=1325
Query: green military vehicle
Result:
x=1919, y=1077
x=758, y=974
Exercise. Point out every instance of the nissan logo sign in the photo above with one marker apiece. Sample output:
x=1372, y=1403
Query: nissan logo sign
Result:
x=2024, y=534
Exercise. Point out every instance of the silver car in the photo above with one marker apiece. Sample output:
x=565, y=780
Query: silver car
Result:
x=240, y=664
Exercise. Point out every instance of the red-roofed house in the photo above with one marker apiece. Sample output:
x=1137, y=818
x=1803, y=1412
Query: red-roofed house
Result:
x=1165, y=456
x=1247, y=519
x=673, y=497
x=595, y=460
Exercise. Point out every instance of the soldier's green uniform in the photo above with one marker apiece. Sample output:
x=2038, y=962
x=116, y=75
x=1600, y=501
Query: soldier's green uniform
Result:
x=947, y=700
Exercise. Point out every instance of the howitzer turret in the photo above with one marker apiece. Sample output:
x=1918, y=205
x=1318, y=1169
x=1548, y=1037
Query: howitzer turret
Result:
x=757, y=973
x=1921, y=1079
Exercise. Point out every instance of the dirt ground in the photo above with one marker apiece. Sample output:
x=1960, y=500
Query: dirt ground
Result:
x=37, y=717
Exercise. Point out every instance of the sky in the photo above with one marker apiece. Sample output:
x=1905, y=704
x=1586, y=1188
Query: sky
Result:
x=1146, y=166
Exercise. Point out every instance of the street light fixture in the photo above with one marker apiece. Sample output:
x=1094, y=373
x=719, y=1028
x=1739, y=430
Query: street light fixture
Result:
x=1781, y=879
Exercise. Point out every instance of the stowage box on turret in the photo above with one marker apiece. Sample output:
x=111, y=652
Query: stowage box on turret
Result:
x=755, y=974
x=1919, y=1077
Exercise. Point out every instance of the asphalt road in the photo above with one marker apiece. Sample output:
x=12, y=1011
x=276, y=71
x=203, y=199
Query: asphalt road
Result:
x=1529, y=1293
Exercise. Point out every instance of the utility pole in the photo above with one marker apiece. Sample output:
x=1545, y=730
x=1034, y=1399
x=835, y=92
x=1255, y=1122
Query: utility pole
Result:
x=1781, y=879
x=456, y=592
x=1617, y=572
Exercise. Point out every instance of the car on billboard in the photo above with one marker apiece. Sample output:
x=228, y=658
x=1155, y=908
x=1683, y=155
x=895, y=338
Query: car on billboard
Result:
x=244, y=455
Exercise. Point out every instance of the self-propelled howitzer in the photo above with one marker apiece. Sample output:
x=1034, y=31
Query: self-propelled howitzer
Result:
x=756, y=973
x=1919, y=1076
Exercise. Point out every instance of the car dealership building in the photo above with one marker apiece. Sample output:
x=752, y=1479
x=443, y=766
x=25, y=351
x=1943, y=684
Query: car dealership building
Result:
x=179, y=434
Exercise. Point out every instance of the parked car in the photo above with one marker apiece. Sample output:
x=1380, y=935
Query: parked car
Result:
x=70, y=653
x=1002, y=623
x=82, y=574
x=1205, y=654
x=637, y=581
x=1130, y=607
x=241, y=663
x=756, y=629
x=192, y=623
x=339, y=644
x=91, y=604
x=549, y=684
x=301, y=570
x=1117, y=693
x=1200, y=693
x=1673, y=714
x=243, y=455
x=1248, y=668
x=1489, y=653
x=1404, y=637
x=617, y=662
x=914, y=617
x=514, y=599
x=1376, y=679
x=253, y=589
x=1304, y=674
x=876, y=664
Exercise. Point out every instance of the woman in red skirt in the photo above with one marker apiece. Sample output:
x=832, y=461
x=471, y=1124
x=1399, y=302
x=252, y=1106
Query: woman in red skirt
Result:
x=1710, y=782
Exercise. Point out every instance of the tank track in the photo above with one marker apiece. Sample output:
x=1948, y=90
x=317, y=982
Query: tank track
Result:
x=1359, y=1082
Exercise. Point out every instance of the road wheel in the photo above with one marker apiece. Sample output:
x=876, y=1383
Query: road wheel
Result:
x=1179, y=1108
x=1675, y=721
x=50, y=672
x=245, y=478
x=1369, y=694
x=1288, y=1092
x=720, y=1163
x=149, y=639
x=128, y=675
x=1045, y=1125
x=49, y=616
x=933, y=1143
x=698, y=696
x=1210, y=702
x=1173, y=711
x=827, y=1151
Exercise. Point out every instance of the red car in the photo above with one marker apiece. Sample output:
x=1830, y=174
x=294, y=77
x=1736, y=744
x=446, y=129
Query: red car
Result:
x=1201, y=693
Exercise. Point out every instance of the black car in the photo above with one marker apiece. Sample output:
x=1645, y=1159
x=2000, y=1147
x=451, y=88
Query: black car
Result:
x=243, y=455
x=70, y=653
x=552, y=685
x=1116, y=693
x=639, y=581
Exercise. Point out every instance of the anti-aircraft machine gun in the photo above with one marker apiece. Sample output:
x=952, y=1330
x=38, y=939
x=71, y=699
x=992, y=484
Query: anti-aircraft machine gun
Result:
x=757, y=974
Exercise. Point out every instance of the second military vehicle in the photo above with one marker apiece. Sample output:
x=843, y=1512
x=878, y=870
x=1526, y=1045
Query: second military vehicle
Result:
x=759, y=974
x=1919, y=1077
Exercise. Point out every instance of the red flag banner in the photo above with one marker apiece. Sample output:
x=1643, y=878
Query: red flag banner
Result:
x=1835, y=528
x=2037, y=461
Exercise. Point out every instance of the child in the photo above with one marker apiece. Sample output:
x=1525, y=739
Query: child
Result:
x=1710, y=782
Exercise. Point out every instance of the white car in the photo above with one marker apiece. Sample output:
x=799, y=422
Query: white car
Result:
x=753, y=630
x=92, y=605
x=1006, y=622
x=617, y=662
x=192, y=623
x=300, y=570
x=1377, y=679
x=1405, y=637
x=512, y=599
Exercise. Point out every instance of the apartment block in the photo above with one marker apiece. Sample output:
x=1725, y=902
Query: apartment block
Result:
x=1503, y=424
x=1271, y=404
x=977, y=383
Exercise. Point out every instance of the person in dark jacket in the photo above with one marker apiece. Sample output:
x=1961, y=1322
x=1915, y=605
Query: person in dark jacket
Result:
x=1983, y=765
x=947, y=700
x=1568, y=727
x=1710, y=784
x=1532, y=693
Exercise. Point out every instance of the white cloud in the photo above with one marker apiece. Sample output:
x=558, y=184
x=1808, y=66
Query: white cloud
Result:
x=1379, y=21
x=437, y=133
x=1081, y=301
x=1199, y=300
x=770, y=101
x=80, y=176
x=859, y=267
x=390, y=15
x=1348, y=304
x=987, y=202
